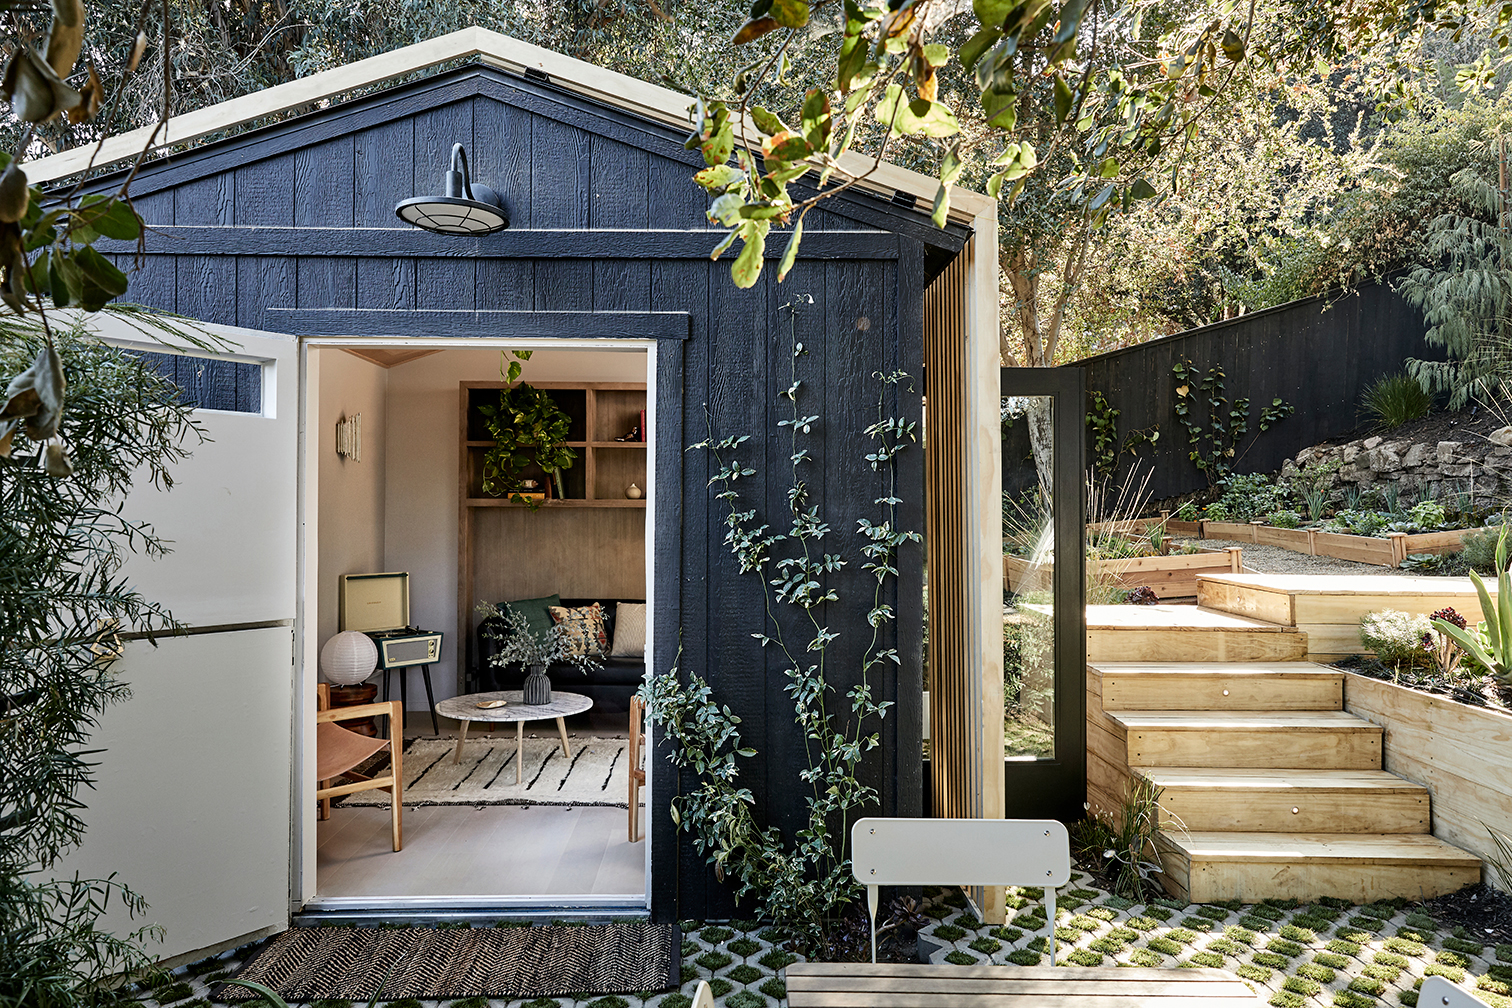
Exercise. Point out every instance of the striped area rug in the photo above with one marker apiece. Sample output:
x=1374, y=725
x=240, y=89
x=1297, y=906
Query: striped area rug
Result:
x=307, y=964
x=595, y=774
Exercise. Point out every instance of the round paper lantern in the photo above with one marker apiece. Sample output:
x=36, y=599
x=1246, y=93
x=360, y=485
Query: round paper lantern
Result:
x=348, y=658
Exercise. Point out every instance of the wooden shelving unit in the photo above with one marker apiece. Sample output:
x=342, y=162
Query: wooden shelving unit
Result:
x=589, y=545
x=600, y=412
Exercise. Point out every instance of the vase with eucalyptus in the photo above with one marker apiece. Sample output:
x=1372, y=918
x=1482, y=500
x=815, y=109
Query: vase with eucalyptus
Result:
x=528, y=427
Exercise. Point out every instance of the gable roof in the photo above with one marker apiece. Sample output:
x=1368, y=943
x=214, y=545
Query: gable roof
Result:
x=617, y=90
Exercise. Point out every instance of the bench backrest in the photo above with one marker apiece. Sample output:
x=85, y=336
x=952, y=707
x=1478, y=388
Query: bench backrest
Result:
x=909, y=852
x=1438, y=992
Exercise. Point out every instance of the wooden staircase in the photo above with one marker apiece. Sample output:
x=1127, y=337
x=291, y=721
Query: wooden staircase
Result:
x=1187, y=633
x=1271, y=789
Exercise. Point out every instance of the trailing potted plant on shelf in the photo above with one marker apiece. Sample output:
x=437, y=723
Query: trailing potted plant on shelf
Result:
x=519, y=644
x=528, y=428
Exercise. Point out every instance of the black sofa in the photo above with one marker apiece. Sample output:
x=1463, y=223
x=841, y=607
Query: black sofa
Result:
x=609, y=687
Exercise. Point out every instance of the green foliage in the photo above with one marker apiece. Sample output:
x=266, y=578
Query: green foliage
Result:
x=1396, y=637
x=802, y=882
x=1214, y=447
x=1394, y=400
x=1478, y=548
x=63, y=610
x=1103, y=440
x=1247, y=497
x=1125, y=848
x=528, y=428
x=1285, y=518
x=1491, y=648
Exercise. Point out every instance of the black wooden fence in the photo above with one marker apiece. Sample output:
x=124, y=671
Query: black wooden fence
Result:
x=1319, y=355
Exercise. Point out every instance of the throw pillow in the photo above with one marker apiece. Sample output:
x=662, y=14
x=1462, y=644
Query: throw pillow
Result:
x=536, y=612
x=583, y=629
x=629, y=630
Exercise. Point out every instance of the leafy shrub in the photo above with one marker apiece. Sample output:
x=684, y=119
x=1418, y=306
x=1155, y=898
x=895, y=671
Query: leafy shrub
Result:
x=1396, y=637
x=1285, y=518
x=1357, y=522
x=1248, y=496
x=1478, y=549
x=1395, y=400
x=1427, y=515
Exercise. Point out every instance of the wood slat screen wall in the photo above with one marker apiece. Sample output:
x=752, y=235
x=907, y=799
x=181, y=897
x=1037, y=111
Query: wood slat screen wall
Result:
x=965, y=722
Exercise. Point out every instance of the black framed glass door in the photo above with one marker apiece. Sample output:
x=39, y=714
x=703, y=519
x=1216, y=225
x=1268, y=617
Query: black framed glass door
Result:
x=1044, y=610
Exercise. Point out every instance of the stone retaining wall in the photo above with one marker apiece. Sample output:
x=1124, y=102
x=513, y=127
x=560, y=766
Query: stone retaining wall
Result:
x=1480, y=466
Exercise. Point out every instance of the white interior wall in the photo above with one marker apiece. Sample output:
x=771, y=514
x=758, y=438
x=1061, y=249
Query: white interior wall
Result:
x=352, y=494
x=420, y=511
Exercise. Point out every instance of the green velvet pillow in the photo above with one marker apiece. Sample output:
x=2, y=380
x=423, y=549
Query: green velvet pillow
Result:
x=535, y=611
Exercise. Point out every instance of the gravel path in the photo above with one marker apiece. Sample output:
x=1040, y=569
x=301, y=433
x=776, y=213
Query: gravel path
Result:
x=1275, y=560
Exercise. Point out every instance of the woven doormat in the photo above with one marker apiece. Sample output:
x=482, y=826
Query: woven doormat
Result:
x=307, y=964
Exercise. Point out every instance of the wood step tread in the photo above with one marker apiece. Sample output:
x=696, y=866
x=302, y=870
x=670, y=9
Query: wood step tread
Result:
x=1349, y=584
x=1267, y=779
x=1176, y=619
x=1292, y=848
x=1256, y=670
x=1286, y=721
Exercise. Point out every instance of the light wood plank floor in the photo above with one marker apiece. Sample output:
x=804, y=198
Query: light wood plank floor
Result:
x=496, y=850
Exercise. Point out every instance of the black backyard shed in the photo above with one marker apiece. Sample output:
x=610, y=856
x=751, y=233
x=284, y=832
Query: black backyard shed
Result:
x=290, y=229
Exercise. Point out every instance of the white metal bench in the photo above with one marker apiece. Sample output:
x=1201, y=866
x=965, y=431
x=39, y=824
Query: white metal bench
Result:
x=987, y=852
x=1438, y=992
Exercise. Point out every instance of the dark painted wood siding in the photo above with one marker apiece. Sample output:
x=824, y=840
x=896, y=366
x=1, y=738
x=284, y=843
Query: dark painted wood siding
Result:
x=563, y=164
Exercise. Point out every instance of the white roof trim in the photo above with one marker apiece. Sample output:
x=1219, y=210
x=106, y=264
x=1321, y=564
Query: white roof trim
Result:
x=615, y=89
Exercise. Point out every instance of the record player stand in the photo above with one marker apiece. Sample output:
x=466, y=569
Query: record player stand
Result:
x=403, y=697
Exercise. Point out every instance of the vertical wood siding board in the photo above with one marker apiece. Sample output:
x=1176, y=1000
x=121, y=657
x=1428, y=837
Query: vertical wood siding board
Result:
x=153, y=282
x=501, y=154
x=619, y=185
x=265, y=192
x=324, y=188
x=740, y=669
x=197, y=202
x=386, y=283
x=263, y=282
x=155, y=209
x=207, y=288
x=385, y=172
x=506, y=284
x=675, y=200
x=327, y=282
x=908, y=684
x=560, y=198
x=621, y=285
x=564, y=285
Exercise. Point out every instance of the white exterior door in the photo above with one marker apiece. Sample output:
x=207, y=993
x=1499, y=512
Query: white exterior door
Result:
x=193, y=807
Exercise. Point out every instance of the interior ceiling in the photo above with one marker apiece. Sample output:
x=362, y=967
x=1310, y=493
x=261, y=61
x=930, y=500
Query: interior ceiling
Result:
x=388, y=358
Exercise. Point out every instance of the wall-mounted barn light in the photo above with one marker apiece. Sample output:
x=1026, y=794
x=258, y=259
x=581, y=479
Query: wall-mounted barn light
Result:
x=468, y=208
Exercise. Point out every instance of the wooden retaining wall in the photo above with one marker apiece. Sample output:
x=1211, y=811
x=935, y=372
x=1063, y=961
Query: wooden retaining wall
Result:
x=1383, y=552
x=1462, y=754
x=1172, y=576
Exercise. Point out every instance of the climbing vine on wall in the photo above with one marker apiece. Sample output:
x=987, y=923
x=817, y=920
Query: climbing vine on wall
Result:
x=1214, y=447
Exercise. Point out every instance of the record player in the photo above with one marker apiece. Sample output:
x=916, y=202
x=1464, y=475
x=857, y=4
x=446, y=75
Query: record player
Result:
x=379, y=606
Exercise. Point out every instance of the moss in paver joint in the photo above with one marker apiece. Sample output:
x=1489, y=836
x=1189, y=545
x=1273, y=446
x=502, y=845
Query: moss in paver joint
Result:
x=962, y=958
x=1453, y=973
x=675, y=1000
x=714, y=961
x=1342, y=947
x=773, y=988
x=1107, y=945
x=745, y=973
x=1286, y=999
x=472, y=1002
x=1301, y=985
x=949, y=932
x=1259, y=974
x=1225, y=946
x=986, y=945
x=1209, y=959
x=720, y=986
x=1024, y=957
x=1314, y=971
x=690, y=947
x=1287, y=948
x=1144, y=957
x=744, y=947
x=1239, y=934
x=1164, y=945
x=1142, y=923
x=715, y=935
x=1406, y=947
x=1270, y=959
x=1158, y=912
x=745, y=999
x=689, y=972
x=1197, y=923
x=1298, y=934
x=537, y=1003
x=777, y=959
x=612, y=1001
x=1351, y=999
x=1007, y=934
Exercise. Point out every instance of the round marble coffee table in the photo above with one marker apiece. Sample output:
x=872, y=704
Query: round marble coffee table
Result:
x=466, y=709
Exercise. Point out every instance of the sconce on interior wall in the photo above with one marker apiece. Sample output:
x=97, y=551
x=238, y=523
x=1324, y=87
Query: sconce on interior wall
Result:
x=349, y=437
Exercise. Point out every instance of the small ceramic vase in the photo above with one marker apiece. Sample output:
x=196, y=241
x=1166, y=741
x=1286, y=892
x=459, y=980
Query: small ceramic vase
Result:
x=537, y=687
x=634, y=492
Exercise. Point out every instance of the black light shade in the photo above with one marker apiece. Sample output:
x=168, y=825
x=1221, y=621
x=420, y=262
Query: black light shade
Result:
x=468, y=208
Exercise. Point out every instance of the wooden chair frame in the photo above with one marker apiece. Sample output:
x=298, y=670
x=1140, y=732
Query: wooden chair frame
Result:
x=636, y=759
x=917, y=852
x=392, y=783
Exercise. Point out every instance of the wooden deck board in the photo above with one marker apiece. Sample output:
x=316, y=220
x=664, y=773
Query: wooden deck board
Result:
x=890, y=985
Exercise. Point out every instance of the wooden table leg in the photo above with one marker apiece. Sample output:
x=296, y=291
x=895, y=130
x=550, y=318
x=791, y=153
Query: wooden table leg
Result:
x=562, y=730
x=519, y=751
x=461, y=737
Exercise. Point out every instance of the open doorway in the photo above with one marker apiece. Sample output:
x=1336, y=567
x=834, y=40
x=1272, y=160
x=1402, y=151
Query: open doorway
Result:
x=523, y=814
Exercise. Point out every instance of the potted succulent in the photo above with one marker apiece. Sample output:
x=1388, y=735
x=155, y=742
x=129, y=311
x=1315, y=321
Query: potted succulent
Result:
x=520, y=645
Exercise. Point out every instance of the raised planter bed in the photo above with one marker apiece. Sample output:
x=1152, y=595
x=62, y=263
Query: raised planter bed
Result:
x=1389, y=551
x=1463, y=755
x=1168, y=576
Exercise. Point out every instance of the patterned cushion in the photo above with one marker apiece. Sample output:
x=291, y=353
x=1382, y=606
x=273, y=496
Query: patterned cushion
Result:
x=629, y=630
x=583, y=629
